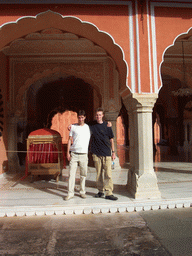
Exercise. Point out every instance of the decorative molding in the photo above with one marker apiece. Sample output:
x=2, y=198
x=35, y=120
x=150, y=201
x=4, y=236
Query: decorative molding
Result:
x=111, y=105
x=88, y=71
x=53, y=42
x=84, y=2
x=140, y=102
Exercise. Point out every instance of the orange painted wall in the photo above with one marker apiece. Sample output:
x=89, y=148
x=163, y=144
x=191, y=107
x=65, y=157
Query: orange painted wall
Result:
x=143, y=50
x=111, y=19
x=106, y=18
x=60, y=122
x=114, y=19
x=120, y=131
x=170, y=23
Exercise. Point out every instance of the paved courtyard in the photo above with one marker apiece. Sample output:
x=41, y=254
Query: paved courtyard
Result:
x=44, y=196
x=158, y=232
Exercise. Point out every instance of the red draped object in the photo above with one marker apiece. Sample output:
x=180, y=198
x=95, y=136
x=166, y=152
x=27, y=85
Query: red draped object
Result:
x=43, y=152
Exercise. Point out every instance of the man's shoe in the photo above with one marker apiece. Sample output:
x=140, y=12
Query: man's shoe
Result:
x=111, y=197
x=83, y=196
x=68, y=198
x=99, y=194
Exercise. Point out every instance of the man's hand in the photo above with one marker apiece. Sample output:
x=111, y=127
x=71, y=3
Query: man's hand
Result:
x=68, y=156
x=69, y=127
x=109, y=124
x=112, y=149
x=113, y=156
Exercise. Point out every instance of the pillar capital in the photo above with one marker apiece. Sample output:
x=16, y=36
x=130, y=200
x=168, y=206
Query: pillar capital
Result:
x=140, y=102
x=111, y=115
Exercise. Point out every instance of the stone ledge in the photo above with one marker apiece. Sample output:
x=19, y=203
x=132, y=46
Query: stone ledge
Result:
x=93, y=209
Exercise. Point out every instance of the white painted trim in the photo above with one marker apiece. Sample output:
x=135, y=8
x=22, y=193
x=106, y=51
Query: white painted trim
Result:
x=138, y=49
x=149, y=48
x=154, y=48
x=131, y=41
x=13, y=22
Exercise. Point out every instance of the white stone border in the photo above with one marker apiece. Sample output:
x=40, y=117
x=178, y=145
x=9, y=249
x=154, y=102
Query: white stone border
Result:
x=136, y=206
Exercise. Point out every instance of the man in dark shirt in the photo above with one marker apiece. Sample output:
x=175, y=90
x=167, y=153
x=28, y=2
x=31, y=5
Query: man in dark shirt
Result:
x=102, y=145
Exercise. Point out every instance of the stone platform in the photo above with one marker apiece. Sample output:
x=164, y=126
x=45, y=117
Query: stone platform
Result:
x=20, y=197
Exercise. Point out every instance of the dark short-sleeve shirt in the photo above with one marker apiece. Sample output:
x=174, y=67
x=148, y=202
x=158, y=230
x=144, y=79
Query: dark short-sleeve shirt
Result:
x=100, y=138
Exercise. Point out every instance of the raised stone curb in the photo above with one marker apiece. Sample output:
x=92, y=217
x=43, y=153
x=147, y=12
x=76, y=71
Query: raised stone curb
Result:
x=94, y=209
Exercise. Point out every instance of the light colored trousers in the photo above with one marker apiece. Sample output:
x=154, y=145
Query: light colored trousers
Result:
x=82, y=160
x=104, y=174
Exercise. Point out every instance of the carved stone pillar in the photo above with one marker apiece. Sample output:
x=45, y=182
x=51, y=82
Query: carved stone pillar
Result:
x=190, y=133
x=142, y=180
x=112, y=117
x=186, y=143
x=13, y=160
x=172, y=131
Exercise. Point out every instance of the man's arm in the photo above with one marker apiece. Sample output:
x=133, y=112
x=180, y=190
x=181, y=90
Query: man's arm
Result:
x=68, y=148
x=113, y=149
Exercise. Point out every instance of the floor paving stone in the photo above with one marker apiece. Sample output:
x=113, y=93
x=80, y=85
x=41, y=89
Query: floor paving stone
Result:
x=79, y=235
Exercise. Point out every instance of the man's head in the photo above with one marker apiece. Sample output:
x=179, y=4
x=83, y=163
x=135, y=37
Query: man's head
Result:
x=99, y=115
x=81, y=117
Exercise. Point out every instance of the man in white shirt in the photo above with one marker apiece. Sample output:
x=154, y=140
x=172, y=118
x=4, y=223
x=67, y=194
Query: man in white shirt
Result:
x=77, y=153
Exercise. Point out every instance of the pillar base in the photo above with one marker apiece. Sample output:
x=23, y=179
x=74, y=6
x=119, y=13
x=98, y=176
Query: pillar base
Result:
x=13, y=163
x=144, y=186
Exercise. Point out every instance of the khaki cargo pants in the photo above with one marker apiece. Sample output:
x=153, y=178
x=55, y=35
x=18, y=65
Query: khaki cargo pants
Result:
x=82, y=159
x=104, y=174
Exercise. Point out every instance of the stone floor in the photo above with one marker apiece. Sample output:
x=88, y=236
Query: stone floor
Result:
x=44, y=196
x=81, y=235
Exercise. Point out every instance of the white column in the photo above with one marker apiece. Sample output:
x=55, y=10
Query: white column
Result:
x=142, y=180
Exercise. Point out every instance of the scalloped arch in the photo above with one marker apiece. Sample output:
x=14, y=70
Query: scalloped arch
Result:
x=50, y=19
x=50, y=75
x=183, y=36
